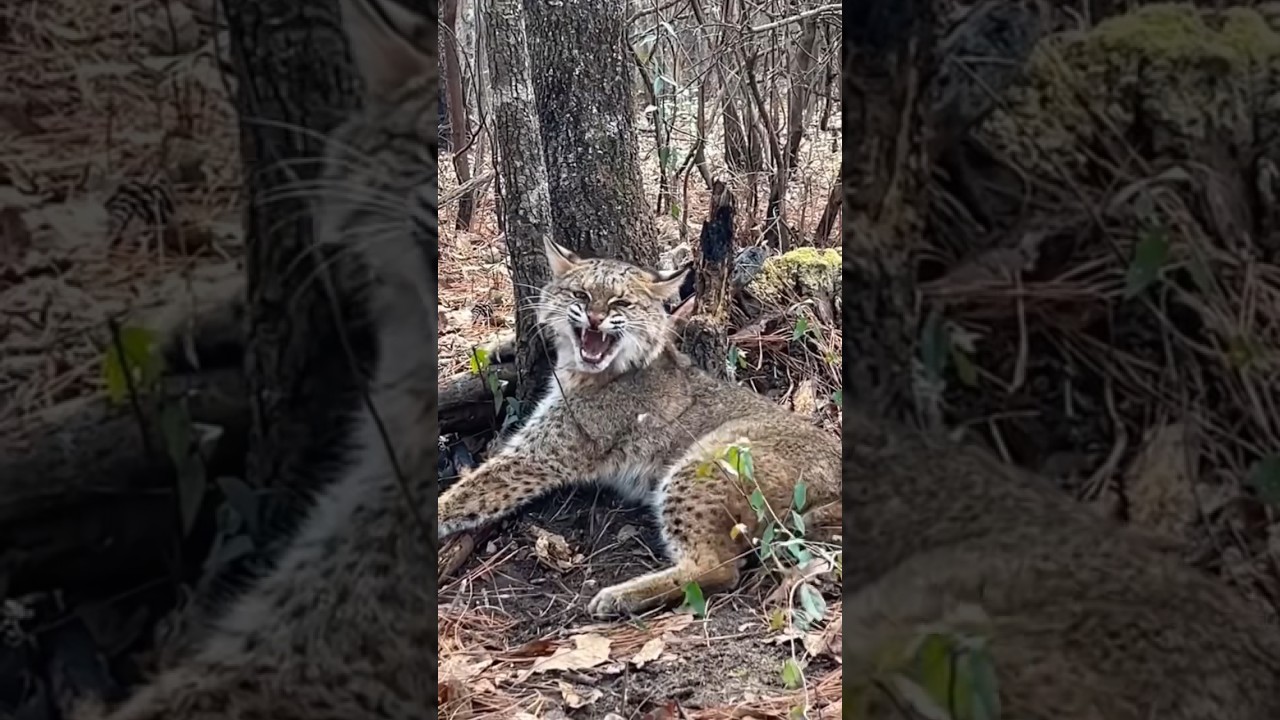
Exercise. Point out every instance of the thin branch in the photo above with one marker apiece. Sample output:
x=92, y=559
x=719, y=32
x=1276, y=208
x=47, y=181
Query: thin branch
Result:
x=820, y=10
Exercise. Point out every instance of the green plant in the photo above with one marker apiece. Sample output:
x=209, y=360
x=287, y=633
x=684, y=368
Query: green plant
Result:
x=133, y=370
x=943, y=671
x=782, y=546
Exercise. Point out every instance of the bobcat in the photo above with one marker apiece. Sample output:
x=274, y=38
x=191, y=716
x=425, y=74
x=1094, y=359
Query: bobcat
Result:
x=625, y=408
x=343, y=627
x=1087, y=619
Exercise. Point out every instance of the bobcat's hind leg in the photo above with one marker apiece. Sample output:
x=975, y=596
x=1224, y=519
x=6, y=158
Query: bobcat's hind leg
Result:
x=697, y=517
x=495, y=489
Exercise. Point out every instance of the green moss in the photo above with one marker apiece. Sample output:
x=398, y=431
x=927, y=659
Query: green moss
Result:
x=1161, y=73
x=1178, y=33
x=1248, y=31
x=804, y=272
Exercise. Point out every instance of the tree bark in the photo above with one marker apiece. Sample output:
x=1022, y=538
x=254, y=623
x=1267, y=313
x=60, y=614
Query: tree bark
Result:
x=526, y=206
x=705, y=335
x=887, y=56
x=582, y=78
x=830, y=213
x=293, y=68
x=459, y=125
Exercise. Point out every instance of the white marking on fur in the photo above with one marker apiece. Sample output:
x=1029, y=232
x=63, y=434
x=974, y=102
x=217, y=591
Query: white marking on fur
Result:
x=634, y=481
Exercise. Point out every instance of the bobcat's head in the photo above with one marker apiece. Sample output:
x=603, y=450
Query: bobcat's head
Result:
x=606, y=315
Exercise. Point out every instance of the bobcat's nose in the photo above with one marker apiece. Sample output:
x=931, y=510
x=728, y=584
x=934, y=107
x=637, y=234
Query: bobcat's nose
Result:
x=594, y=319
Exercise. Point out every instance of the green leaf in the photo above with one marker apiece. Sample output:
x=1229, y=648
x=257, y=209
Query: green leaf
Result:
x=933, y=668
x=799, y=552
x=965, y=369
x=792, y=675
x=918, y=699
x=981, y=669
x=757, y=503
x=1200, y=274
x=812, y=602
x=495, y=385
x=1149, y=257
x=131, y=356
x=935, y=345
x=1264, y=476
x=799, y=496
x=777, y=619
x=740, y=460
x=838, y=398
x=243, y=500
x=766, y=541
x=797, y=522
x=1240, y=353
x=675, y=210
x=665, y=156
x=737, y=358
x=175, y=427
x=694, y=600
x=479, y=360
x=801, y=329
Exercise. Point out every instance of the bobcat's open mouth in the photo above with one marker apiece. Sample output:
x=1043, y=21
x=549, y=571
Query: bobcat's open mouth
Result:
x=594, y=345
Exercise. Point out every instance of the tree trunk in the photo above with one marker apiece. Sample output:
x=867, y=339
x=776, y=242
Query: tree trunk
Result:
x=705, y=335
x=887, y=55
x=582, y=78
x=526, y=205
x=798, y=97
x=293, y=69
x=775, y=227
x=831, y=213
x=459, y=126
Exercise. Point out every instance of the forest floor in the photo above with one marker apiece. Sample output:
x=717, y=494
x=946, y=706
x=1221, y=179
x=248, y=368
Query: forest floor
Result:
x=97, y=99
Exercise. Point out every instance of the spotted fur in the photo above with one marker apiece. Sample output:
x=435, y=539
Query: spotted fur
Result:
x=343, y=628
x=643, y=420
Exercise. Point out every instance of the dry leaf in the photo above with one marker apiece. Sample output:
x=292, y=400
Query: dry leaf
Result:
x=651, y=651
x=461, y=668
x=589, y=651
x=553, y=550
x=805, y=400
x=574, y=700
x=1160, y=484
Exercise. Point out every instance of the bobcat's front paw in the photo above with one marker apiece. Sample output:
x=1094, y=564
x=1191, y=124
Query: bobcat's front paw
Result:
x=610, y=602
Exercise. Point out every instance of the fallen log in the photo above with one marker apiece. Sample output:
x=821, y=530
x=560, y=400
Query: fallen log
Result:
x=466, y=404
x=86, y=489
x=89, y=477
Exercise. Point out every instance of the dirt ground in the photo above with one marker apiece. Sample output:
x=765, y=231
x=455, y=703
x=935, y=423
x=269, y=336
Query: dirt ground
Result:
x=514, y=606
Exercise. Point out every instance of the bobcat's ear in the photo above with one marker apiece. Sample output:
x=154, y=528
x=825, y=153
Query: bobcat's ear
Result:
x=666, y=285
x=561, y=259
x=381, y=35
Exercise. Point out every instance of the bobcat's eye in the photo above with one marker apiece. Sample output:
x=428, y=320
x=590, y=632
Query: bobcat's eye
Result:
x=620, y=303
x=579, y=295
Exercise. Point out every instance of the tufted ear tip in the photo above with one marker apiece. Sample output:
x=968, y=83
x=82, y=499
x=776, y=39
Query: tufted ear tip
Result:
x=383, y=38
x=560, y=258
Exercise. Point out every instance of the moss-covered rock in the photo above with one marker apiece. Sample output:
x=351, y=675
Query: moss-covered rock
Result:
x=800, y=273
x=1167, y=80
